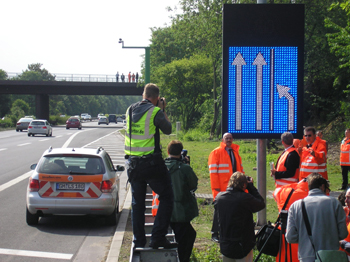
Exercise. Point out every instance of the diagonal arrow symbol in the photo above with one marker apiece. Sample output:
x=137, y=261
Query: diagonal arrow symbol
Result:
x=259, y=62
x=239, y=62
x=283, y=92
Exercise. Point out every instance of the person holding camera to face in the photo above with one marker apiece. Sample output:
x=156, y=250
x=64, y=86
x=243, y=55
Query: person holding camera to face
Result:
x=234, y=210
x=184, y=182
x=145, y=165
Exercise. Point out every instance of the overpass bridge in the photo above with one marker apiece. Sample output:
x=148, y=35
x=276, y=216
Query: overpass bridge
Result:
x=43, y=89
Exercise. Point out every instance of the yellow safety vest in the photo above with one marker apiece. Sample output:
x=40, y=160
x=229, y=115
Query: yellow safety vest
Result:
x=142, y=134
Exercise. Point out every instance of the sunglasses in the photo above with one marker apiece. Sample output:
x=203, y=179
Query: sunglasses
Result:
x=307, y=135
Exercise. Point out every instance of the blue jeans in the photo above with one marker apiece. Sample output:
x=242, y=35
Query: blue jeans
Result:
x=163, y=187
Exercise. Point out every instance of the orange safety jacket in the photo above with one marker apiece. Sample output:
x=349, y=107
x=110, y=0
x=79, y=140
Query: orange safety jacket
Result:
x=280, y=167
x=220, y=167
x=155, y=203
x=347, y=239
x=345, y=152
x=314, y=164
x=281, y=194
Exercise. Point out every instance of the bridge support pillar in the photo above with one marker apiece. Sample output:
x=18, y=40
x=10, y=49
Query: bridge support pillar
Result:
x=42, y=108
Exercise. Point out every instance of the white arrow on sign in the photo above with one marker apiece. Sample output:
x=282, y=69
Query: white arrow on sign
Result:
x=239, y=62
x=259, y=62
x=283, y=92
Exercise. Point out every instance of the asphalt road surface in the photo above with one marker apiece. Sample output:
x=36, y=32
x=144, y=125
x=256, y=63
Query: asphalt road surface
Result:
x=58, y=238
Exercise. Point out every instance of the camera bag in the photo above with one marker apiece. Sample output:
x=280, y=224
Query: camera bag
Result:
x=268, y=237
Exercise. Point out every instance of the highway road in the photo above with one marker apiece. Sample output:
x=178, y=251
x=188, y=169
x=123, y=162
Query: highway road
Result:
x=61, y=238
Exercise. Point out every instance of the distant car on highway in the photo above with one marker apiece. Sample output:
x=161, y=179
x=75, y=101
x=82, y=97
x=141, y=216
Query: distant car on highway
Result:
x=99, y=115
x=112, y=118
x=103, y=120
x=23, y=123
x=73, y=181
x=39, y=127
x=73, y=122
x=85, y=117
x=119, y=119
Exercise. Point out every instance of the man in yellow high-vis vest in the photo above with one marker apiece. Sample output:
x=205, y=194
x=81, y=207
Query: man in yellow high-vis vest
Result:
x=145, y=165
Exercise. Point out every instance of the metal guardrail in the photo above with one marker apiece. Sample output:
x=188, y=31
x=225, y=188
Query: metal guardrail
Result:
x=80, y=77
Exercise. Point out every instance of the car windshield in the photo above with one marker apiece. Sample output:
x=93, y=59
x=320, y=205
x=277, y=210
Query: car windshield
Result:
x=61, y=164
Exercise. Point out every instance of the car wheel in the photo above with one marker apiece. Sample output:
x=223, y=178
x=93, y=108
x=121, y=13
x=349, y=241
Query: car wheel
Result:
x=21, y=130
x=28, y=134
x=112, y=219
x=79, y=128
x=33, y=135
x=47, y=134
x=51, y=133
x=98, y=123
x=31, y=219
x=17, y=130
x=67, y=127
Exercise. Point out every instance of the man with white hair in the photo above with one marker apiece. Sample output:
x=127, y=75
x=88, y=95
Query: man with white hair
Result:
x=223, y=161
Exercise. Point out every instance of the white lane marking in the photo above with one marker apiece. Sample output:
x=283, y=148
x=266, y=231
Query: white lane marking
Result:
x=99, y=139
x=15, y=181
x=2, y=149
x=44, y=139
x=24, y=144
x=27, y=253
x=71, y=138
x=58, y=136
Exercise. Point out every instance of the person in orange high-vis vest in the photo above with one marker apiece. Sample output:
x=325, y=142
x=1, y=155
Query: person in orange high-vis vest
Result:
x=345, y=158
x=281, y=194
x=319, y=135
x=223, y=161
x=287, y=166
x=313, y=156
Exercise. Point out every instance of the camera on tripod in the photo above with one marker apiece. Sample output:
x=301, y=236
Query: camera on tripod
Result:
x=184, y=157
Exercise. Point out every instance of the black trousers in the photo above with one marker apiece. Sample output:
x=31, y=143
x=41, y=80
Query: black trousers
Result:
x=344, y=173
x=185, y=235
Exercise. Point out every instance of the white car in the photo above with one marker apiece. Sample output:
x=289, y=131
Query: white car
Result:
x=39, y=127
x=73, y=181
x=85, y=117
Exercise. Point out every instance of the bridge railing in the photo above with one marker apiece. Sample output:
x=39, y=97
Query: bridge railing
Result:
x=80, y=77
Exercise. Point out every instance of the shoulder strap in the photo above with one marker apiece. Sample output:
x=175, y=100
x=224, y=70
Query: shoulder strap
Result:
x=306, y=218
x=307, y=223
x=289, y=196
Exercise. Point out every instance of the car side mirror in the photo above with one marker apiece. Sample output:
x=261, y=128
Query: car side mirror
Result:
x=32, y=167
x=120, y=168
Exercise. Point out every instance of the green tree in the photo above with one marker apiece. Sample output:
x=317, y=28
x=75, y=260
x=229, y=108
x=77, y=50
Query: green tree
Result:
x=186, y=84
x=5, y=100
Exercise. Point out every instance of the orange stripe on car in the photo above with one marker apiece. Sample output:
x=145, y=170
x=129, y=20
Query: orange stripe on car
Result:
x=76, y=178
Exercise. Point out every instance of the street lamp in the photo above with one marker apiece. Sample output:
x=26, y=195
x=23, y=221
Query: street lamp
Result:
x=147, y=59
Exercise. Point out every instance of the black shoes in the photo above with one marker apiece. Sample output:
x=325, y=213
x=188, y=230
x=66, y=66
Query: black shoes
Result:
x=215, y=237
x=163, y=243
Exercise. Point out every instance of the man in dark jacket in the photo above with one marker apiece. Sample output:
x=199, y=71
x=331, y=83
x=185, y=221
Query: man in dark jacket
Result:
x=235, y=209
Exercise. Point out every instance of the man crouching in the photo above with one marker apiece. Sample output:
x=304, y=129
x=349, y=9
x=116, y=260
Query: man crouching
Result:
x=234, y=209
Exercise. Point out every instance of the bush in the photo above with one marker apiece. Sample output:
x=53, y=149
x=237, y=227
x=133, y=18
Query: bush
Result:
x=7, y=122
x=57, y=120
x=193, y=135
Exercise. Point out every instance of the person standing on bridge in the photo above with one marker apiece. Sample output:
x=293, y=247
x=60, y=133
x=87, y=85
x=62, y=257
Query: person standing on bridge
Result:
x=122, y=77
x=117, y=77
x=129, y=77
x=137, y=77
x=133, y=77
x=145, y=165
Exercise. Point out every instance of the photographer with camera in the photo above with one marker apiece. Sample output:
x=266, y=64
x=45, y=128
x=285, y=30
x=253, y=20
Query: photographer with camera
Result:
x=234, y=210
x=223, y=161
x=184, y=182
x=146, y=165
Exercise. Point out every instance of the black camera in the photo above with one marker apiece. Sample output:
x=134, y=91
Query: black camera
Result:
x=184, y=157
x=248, y=178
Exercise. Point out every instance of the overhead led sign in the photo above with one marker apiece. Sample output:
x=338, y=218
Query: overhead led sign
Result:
x=263, y=70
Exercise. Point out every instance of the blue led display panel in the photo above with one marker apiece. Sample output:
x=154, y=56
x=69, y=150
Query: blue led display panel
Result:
x=263, y=70
x=262, y=89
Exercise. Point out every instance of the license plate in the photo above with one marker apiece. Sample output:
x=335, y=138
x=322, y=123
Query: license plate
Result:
x=70, y=186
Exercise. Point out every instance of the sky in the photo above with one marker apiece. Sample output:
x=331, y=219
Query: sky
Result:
x=78, y=36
